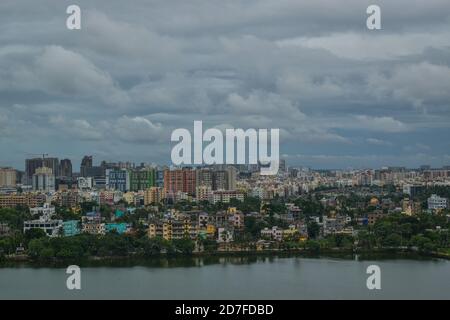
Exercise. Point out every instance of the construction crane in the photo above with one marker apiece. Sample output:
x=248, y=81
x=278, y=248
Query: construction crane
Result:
x=38, y=154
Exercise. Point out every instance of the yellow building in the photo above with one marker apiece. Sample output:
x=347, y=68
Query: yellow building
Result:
x=289, y=233
x=153, y=195
x=170, y=230
x=302, y=238
x=410, y=207
x=231, y=210
x=129, y=197
x=7, y=177
x=210, y=229
x=28, y=199
x=374, y=202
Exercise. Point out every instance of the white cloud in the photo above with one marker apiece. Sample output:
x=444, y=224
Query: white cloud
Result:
x=265, y=104
x=372, y=46
x=378, y=142
x=61, y=72
x=138, y=130
x=382, y=124
x=422, y=84
x=78, y=129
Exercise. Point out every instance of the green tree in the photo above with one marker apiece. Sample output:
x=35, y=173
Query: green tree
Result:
x=313, y=230
x=34, y=234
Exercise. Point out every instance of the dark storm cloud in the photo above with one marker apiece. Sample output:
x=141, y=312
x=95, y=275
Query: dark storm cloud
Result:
x=341, y=95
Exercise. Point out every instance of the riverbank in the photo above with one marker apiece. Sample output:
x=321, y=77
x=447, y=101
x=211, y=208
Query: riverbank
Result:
x=338, y=253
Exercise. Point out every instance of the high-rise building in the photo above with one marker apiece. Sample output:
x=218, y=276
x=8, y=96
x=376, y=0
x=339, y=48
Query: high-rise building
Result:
x=142, y=179
x=412, y=190
x=32, y=164
x=86, y=163
x=203, y=192
x=220, y=180
x=231, y=177
x=44, y=180
x=179, y=180
x=204, y=177
x=160, y=177
x=282, y=166
x=7, y=177
x=65, y=168
x=87, y=169
x=223, y=179
x=118, y=179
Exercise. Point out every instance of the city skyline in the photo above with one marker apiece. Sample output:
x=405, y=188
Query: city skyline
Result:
x=343, y=96
x=96, y=162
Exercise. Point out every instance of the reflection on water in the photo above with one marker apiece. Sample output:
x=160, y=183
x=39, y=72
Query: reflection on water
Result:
x=205, y=260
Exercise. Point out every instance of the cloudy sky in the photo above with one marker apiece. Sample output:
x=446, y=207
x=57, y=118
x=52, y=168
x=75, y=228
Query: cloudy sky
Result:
x=343, y=96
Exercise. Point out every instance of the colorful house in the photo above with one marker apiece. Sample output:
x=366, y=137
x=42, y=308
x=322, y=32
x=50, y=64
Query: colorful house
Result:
x=120, y=228
x=71, y=228
x=119, y=213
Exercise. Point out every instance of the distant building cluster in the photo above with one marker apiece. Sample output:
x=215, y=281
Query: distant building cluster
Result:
x=124, y=187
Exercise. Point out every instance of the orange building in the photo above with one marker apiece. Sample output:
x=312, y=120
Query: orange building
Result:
x=179, y=180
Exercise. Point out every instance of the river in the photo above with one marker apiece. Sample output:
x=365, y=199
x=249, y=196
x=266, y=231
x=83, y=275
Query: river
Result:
x=234, y=278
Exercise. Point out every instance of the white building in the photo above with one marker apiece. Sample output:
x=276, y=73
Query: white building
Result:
x=224, y=235
x=44, y=180
x=85, y=183
x=51, y=227
x=275, y=233
x=225, y=196
x=94, y=228
x=435, y=202
x=45, y=212
x=203, y=193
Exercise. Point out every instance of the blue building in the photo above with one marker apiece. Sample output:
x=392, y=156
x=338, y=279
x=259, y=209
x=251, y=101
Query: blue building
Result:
x=71, y=228
x=118, y=179
x=119, y=213
x=120, y=228
x=160, y=178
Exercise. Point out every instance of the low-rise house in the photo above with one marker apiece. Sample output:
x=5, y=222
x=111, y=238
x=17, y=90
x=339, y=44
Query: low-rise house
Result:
x=94, y=228
x=71, y=228
x=333, y=225
x=437, y=203
x=275, y=233
x=92, y=224
x=224, y=235
x=203, y=219
x=120, y=228
x=5, y=230
x=290, y=233
x=52, y=228
x=373, y=217
x=236, y=220
x=170, y=229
